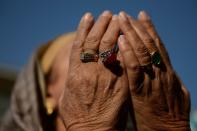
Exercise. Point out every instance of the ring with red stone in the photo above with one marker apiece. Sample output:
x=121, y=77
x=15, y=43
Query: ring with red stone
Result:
x=109, y=57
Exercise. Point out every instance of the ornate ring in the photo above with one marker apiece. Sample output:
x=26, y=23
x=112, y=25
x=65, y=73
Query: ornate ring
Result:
x=109, y=56
x=88, y=57
x=156, y=58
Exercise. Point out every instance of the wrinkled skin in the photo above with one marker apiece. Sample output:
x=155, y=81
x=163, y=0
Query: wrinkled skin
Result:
x=93, y=95
x=160, y=100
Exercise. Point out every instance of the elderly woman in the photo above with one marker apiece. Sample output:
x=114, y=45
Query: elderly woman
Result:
x=108, y=68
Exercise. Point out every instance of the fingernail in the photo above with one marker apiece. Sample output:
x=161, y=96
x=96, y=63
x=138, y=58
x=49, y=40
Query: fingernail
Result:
x=123, y=16
x=106, y=13
x=121, y=38
x=87, y=16
x=143, y=16
x=115, y=17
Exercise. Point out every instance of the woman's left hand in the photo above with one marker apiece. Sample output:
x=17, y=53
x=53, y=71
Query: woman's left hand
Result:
x=160, y=100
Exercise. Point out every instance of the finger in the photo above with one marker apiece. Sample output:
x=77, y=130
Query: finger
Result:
x=143, y=34
x=187, y=103
x=146, y=22
x=83, y=29
x=134, y=40
x=130, y=61
x=94, y=37
x=111, y=35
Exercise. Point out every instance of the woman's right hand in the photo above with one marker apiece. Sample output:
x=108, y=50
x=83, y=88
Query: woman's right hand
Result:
x=93, y=95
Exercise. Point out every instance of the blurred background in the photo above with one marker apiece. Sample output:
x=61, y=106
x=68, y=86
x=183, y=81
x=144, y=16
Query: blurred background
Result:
x=26, y=24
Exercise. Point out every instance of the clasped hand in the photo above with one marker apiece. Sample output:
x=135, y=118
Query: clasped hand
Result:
x=94, y=95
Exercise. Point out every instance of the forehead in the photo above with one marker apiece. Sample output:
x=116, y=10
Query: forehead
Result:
x=61, y=61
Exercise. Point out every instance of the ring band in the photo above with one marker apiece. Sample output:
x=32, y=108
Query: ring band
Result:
x=88, y=57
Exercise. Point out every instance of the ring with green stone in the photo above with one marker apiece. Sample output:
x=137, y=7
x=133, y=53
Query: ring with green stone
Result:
x=156, y=58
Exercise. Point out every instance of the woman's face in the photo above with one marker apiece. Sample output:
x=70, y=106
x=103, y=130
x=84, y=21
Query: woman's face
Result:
x=58, y=75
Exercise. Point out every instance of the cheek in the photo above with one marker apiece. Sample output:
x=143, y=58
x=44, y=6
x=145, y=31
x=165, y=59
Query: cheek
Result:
x=57, y=86
x=61, y=68
x=55, y=89
x=66, y=68
x=60, y=87
x=61, y=81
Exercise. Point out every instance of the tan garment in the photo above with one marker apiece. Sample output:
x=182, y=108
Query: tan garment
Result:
x=27, y=108
x=46, y=56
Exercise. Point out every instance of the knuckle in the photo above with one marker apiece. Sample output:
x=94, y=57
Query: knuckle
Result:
x=134, y=67
x=146, y=60
x=142, y=51
x=131, y=65
x=77, y=44
x=148, y=40
x=127, y=52
x=141, y=48
x=106, y=42
x=93, y=39
x=143, y=55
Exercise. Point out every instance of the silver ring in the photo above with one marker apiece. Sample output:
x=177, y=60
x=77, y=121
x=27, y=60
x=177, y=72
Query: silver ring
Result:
x=109, y=57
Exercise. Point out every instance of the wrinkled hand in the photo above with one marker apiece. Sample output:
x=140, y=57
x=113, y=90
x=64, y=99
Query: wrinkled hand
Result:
x=160, y=100
x=93, y=95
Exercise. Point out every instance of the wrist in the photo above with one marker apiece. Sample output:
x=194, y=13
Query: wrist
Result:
x=89, y=127
x=171, y=126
